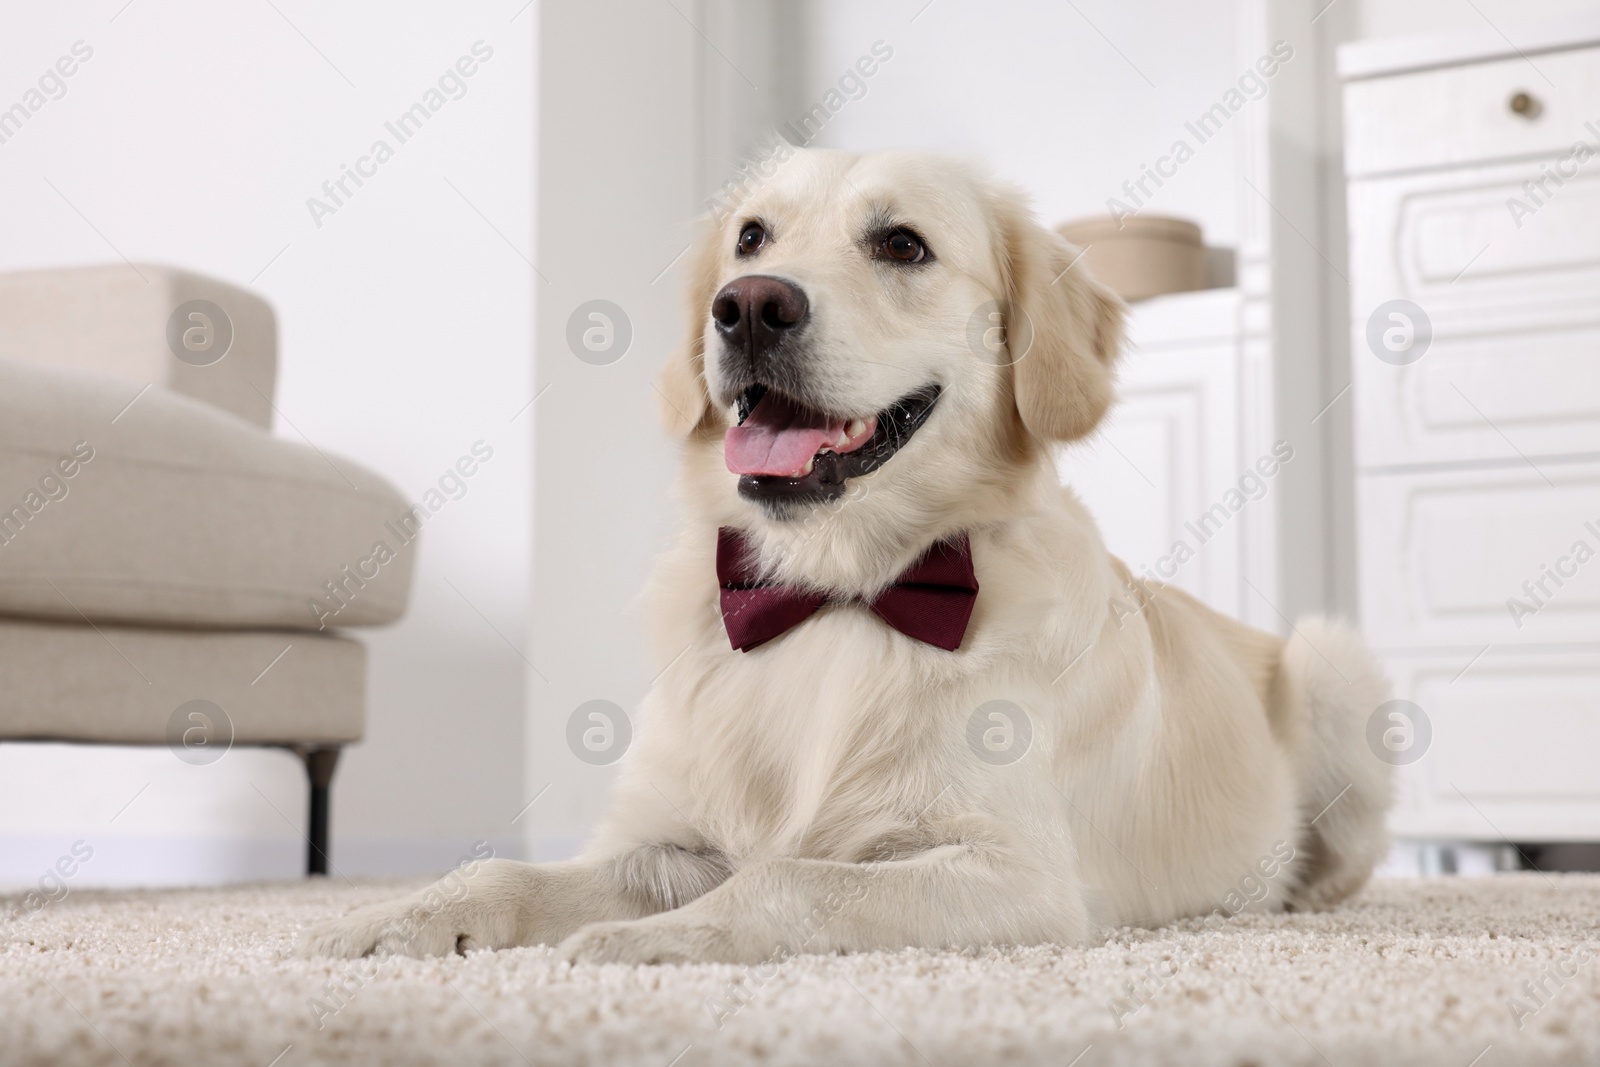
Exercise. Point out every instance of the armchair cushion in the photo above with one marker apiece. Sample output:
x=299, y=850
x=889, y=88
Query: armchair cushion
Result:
x=124, y=685
x=130, y=320
x=167, y=511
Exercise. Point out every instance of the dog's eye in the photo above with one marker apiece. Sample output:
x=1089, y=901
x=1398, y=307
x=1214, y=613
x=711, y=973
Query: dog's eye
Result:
x=751, y=238
x=903, y=246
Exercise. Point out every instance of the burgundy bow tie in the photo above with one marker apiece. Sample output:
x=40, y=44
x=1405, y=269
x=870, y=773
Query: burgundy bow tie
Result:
x=931, y=601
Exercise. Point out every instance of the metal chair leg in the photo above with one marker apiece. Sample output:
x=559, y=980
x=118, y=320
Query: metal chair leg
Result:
x=319, y=769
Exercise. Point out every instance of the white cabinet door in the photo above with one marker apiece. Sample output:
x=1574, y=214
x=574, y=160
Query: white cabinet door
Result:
x=1157, y=473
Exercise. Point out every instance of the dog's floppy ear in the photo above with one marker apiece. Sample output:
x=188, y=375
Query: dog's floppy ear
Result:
x=685, y=404
x=1065, y=327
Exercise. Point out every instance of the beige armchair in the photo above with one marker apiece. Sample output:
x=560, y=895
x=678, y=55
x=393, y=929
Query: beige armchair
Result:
x=170, y=571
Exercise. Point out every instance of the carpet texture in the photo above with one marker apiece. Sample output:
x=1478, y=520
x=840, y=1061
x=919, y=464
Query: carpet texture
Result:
x=1412, y=972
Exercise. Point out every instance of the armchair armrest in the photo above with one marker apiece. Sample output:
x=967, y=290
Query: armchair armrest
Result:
x=147, y=324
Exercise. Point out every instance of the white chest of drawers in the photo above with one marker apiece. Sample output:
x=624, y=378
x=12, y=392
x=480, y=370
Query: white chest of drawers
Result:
x=1474, y=209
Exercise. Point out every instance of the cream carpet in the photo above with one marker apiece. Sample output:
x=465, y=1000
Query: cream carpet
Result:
x=1412, y=972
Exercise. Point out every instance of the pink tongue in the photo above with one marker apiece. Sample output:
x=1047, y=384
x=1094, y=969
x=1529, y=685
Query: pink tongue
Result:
x=778, y=438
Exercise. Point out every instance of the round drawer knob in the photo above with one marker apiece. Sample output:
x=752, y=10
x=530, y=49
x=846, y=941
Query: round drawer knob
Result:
x=1525, y=104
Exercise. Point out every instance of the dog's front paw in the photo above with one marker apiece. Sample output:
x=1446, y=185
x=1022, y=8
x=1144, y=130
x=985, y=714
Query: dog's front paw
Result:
x=411, y=928
x=480, y=905
x=366, y=932
x=650, y=940
x=396, y=928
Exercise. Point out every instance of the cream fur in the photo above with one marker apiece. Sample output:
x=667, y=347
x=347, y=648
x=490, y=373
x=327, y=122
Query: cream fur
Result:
x=818, y=793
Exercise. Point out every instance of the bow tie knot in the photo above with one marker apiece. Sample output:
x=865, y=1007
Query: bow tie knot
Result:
x=931, y=601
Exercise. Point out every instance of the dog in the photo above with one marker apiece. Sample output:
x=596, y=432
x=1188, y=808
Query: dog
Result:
x=921, y=704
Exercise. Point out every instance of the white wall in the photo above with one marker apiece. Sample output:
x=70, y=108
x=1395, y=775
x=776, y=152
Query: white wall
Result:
x=194, y=136
x=619, y=165
x=1069, y=100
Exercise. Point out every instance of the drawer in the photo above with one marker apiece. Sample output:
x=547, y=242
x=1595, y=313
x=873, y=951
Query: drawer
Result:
x=1510, y=746
x=1445, y=555
x=1510, y=306
x=1485, y=397
x=1463, y=114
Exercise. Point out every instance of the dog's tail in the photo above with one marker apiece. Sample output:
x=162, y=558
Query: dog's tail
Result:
x=1328, y=687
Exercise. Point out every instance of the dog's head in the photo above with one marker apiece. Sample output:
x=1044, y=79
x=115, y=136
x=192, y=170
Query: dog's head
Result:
x=887, y=338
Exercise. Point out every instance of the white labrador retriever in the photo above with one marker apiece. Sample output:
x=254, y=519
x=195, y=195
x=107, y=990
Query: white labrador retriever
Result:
x=883, y=351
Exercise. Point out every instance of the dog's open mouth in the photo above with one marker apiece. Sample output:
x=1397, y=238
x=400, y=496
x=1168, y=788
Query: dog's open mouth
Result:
x=784, y=451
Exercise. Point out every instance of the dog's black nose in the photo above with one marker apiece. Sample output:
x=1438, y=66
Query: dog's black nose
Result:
x=754, y=313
